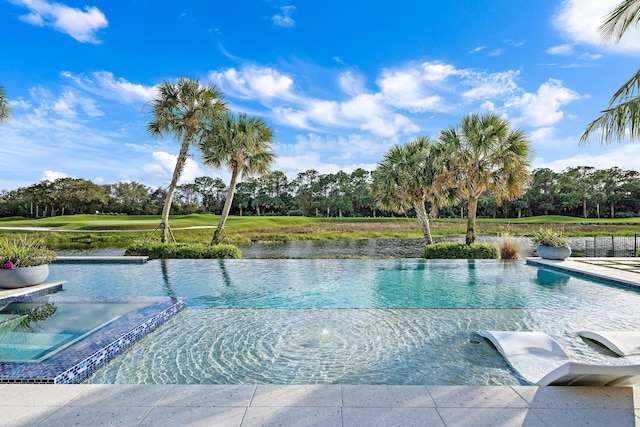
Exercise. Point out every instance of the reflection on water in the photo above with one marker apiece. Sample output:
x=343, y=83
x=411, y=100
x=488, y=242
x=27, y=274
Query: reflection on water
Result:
x=355, y=248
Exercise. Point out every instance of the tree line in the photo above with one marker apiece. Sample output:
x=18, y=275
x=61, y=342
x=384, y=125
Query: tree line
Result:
x=582, y=191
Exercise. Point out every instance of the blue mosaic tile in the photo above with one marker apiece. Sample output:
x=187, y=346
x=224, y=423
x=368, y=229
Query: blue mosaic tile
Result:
x=77, y=363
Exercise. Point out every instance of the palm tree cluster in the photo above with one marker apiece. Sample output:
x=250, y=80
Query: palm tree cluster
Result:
x=480, y=155
x=197, y=115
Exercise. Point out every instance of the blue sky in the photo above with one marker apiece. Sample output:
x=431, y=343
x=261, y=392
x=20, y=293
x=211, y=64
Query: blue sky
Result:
x=339, y=81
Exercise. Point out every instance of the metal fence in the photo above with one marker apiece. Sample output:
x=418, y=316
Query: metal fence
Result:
x=614, y=246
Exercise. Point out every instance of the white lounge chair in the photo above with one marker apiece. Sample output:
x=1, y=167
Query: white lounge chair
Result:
x=540, y=360
x=622, y=343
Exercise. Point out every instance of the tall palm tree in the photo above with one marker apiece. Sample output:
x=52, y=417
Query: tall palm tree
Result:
x=404, y=179
x=5, y=108
x=623, y=112
x=242, y=145
x=183, y=110
x=483, y=154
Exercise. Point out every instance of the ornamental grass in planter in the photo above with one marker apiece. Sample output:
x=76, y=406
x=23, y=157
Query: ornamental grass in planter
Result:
x=24, y=261
x=551, y=244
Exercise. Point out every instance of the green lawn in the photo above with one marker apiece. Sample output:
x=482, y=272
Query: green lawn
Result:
x=196, y=228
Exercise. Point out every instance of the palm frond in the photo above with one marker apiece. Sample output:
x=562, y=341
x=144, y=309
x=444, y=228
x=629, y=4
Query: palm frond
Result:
x=5, y=108
x=616, y=23
x=615, y=123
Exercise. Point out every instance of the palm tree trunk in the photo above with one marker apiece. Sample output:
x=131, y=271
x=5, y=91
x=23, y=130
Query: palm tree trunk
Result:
x=227, y=207
x=471, y=219
x=423, y=220
x=177, y=171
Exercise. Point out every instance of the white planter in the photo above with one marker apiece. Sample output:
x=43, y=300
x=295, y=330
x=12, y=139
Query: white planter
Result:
x=554, y=252
x=23, y=276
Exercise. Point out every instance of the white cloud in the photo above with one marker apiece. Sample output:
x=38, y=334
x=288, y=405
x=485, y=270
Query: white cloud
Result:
x=438, y=71
x=350, y=83
x=53, y=175
x=625, y=156
x=580, y=19
x=254, y=82
x=66, y=105
x=477, y=49
x=284, y=18
x=82, y=25
x=563, y=49
x=591, y=57
x=405, y=90
x=164, y=165
x=490, y=85
x=106, y=85
x=543, y=108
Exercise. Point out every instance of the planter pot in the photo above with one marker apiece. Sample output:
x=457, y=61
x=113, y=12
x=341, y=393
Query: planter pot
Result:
x=24, y=276
x=554, y=252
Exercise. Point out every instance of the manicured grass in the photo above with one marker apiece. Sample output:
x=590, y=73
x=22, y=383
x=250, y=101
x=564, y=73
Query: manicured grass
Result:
x=121, y=230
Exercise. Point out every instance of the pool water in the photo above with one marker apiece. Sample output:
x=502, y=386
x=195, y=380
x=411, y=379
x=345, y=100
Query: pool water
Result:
x=51, y=327
x=348, y=321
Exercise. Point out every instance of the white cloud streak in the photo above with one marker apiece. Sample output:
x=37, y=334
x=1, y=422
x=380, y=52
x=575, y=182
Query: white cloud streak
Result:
x=106, y=85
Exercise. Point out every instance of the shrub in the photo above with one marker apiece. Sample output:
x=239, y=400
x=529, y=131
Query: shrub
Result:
x=459, y=250
x=509, y=247
x=549, y=237
x=295, y=212
x=183, y=251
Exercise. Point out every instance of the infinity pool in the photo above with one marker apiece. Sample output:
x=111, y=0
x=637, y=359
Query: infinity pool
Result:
x=347, y=321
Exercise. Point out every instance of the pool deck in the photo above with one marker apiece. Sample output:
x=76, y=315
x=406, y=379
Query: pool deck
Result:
x=315, y=405
x=334, y=405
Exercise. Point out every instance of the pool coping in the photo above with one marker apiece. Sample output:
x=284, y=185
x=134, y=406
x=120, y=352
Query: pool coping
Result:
x=77, y=363
x=103, y=259
x=582, y=267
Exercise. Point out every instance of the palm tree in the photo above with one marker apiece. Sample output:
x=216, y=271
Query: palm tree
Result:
x=183, y=110
x=483, y=154
x=5, y=108
x=623, y=112
x=242, y=145
x=404, y=179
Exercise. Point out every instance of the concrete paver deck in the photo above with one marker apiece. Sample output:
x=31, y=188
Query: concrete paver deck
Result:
x=314, y=405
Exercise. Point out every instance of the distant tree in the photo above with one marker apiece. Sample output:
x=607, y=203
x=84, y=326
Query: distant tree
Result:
x=242, y=145
x=543, y=192
x=404, y=180
x=483, y=154
x=184, y=110
x=5, y=108
x=623, y=112
x=212, y=191
x=577, y=188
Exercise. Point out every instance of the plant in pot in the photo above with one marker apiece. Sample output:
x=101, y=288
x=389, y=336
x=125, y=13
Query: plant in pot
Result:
x=24, y=261
x=551, y=244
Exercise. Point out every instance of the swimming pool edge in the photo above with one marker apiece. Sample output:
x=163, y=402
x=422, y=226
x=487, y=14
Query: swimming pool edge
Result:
x=579, y=268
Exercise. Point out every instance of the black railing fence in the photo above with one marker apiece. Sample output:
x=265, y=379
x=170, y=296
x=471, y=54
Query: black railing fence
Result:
x=614, y=246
